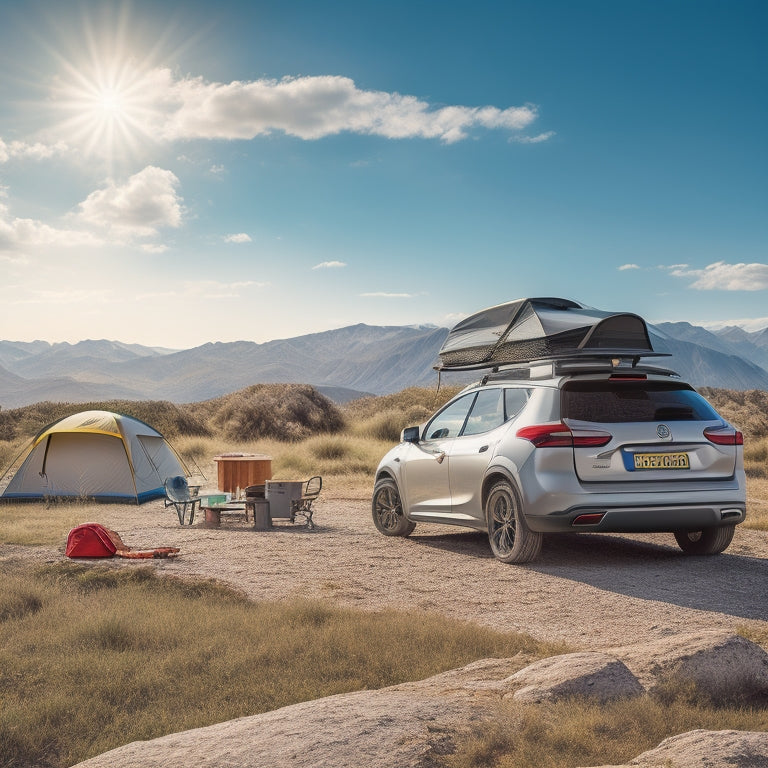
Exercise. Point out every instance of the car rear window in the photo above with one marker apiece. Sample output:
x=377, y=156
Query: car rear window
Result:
x=623, y=401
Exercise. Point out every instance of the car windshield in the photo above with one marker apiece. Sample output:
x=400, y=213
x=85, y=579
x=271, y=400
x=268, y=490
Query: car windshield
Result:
x=612, y=401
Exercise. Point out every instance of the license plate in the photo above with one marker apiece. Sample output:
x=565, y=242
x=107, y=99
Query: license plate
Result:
x=662, y=461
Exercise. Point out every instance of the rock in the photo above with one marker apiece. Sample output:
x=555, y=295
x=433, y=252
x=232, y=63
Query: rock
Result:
x=375, y=729
x=706, y=749
x=414, y=723
x=595, y=676
x=724, y=666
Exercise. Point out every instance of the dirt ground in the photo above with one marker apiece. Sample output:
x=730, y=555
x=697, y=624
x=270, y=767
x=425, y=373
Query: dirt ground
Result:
x=591, y=591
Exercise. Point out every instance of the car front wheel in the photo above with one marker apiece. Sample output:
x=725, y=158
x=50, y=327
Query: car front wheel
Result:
x=387, y=509
x=708, y=541
x=511, y=540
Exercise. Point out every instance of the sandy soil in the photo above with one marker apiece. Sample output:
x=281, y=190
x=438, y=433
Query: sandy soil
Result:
x=590, y=591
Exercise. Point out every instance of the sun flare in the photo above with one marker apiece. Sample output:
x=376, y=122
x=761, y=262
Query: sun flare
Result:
x=106, y=108
x=107, y=94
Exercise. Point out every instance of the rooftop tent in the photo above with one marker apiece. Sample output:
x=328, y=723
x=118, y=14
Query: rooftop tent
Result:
x=525, y=330
x=96, y=455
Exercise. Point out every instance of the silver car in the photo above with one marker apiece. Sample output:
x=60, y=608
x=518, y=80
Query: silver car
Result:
x=568, y=447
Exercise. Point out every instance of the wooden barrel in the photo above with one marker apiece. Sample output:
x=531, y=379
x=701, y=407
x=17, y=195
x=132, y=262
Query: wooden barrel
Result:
x=237, y=471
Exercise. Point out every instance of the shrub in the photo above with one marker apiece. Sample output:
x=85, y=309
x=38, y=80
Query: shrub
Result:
x=417, y=402
x=288, y=412
x=385, y=426
x=329, y=448
x=168, y=418
x=746, y=410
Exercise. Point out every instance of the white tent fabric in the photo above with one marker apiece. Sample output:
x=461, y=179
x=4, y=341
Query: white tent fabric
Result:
x=96, y=455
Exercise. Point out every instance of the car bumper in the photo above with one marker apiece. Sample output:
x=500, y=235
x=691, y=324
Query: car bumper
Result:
x=639, y=518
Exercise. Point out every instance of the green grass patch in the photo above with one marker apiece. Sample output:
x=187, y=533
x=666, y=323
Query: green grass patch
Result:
x=94, y=656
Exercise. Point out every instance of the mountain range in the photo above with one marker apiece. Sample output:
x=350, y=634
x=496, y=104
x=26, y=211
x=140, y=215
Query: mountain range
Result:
x=343, y=364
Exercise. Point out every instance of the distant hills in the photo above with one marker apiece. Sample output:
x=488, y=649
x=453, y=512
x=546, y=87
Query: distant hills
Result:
x=344, y=364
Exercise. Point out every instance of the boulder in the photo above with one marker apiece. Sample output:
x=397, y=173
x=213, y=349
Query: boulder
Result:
x=706, y=749
x=595, y=676
x=724, y=666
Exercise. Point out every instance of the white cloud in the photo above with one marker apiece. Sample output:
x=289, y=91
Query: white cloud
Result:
x=153, y=247
x=384, y=295
x=310, y=108
x=330, y=265
x=532, y=139
x=36, y=151
x=17, y=234
x=142, y=206
x=726, y=277
x=625, y=267
x=146, y=203
x=240, y=237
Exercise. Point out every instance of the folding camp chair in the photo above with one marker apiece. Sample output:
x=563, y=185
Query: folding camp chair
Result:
x=177, y=493
x=302, y=506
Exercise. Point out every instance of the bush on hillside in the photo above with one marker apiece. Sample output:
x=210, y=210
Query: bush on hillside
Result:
x=169, y=419
x=287, y=412
x=747, y=410
x=416, y=402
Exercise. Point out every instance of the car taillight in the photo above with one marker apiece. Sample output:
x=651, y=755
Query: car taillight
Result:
x=559, y=435
x=727, y=436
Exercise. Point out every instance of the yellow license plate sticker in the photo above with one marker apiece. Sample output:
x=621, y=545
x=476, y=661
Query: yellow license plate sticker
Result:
x=662, y=461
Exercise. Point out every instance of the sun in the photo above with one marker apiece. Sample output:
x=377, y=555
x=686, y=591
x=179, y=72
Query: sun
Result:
x=107, y=90
x=107, y=108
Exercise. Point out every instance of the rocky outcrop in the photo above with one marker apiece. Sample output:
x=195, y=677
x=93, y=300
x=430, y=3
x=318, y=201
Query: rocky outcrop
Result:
x=706, y=749
x=596, y=676
x=723, y=666
x=413, y=724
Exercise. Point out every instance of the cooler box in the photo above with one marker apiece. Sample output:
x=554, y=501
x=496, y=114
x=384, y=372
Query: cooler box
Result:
x=215, y=499
x=280, y=494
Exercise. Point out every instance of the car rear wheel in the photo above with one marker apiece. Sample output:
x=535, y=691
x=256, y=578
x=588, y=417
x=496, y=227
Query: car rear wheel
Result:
x=708, y=541
x=511, y=540
x=387, y=509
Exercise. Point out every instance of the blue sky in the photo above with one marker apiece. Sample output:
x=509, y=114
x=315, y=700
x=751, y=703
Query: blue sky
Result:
x=182, y=172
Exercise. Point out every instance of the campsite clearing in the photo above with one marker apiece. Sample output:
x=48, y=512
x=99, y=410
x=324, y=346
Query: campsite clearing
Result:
x=591, y=591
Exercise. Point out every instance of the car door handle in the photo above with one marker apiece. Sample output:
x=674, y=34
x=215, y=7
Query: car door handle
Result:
x=483, y=449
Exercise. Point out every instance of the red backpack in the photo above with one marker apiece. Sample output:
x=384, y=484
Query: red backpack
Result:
x=94, y=540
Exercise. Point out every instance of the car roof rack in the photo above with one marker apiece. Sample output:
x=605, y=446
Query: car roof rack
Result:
x=547, y=369
x=527, y=331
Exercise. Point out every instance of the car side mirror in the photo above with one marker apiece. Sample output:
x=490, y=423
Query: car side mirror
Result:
x=410, y=435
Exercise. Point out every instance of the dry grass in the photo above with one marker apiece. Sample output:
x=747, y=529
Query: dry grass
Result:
x=35, y=525
x=286, y=412
x=757, y=503
x=92, y=657
x=745, y=409
x=575, y=733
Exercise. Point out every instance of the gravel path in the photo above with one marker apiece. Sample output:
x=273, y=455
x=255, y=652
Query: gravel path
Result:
x=590, y=591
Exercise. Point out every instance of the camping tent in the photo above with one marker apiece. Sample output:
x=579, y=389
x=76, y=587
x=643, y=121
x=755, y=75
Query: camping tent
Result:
x=96, y=455
x=525, y=330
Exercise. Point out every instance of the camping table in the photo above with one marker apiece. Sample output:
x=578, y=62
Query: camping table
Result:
x=212, y=513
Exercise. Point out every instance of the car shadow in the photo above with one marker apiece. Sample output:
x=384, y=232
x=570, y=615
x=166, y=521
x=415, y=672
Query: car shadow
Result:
x=731, y=584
